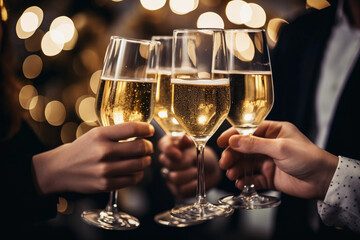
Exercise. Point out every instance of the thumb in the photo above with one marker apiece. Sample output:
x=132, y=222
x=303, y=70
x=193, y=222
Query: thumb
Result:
x=256, y=145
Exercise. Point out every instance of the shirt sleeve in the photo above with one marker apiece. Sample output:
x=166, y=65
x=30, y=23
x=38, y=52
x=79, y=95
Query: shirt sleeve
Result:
x=341, y=206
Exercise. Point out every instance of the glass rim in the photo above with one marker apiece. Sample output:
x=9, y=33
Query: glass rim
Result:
x=166, y=37
x=133, y=40
x=245, y=30
x=197, y=30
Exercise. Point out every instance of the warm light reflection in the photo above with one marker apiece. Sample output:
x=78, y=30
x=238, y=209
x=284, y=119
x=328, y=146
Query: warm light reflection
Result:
x=317, y=4
x=20, y=32
x=182, y=7
x=29, y=22
x=37, y=106
x=62, y=29
x=210, y=20
x=202, y=119
x=84, y=127
x=249, y=117
x=71, y=44
x=49, y=47
x=32, y=66
x=238, y=12
x=152, y=5
x=4, y=14
x=26, y=94
x=55, y=113
x=163, y=114
x=95, y=80
x=241, y=44
x=273, y=28
x=258, y=17
x=62, y=205
x=68, y=132
x=87, y=109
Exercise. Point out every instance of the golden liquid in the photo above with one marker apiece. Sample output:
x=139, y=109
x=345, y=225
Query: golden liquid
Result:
x=251, y=100
x=120, y=101
x=163, y=114
x=200, y=106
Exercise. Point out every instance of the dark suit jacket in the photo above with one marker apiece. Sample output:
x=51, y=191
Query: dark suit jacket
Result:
x=296, y=66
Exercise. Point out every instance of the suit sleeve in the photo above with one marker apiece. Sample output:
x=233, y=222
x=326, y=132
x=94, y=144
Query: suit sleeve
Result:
x=341, y=206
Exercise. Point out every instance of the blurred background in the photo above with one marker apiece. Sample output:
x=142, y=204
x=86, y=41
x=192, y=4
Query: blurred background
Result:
x=59, y=48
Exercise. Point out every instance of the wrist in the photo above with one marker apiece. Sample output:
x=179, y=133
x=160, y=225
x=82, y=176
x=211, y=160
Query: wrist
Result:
x=328, y=173
x=44, y=173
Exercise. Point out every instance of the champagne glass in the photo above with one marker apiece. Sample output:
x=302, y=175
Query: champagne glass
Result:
x=163, y=114
x=125, y=94
x=252, y=98
x=200, y=102
x=165, y=118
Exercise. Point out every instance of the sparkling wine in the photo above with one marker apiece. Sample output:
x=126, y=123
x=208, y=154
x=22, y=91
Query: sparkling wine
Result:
x=200, y=106
x=163, y=114
x=125, y=100
x=251, y=99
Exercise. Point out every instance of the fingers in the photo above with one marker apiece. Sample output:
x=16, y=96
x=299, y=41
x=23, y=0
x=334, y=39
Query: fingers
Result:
x=182, y=177
x=228, y=158
x=174, y=159
x=273, y=148
x=132, y=149
x=223, y=140
x=124, y=131
x=125, y=167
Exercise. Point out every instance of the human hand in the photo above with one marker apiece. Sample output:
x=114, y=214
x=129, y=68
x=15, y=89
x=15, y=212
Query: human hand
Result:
x=282, y=158
x=96, y=161
x=179, y=158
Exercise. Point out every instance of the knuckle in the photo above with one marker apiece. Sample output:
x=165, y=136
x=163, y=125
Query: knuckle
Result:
x=102, y=151
x=103, y=184
x=97, y=132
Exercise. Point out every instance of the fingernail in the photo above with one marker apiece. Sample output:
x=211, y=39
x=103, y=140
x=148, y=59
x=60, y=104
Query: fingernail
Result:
x=233, y=142
x=151, y=128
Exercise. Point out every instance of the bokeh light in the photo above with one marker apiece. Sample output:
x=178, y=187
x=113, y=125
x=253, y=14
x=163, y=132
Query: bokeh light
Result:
x=273, y=29
x=258, y=17
x=37, y=107
x=84, y=127
x=152, y=5
x=182, y=7
x=55, y=113
x=68, y=132
x=87, y=109
x=29, y=21
x=94, y=81
x=210, y=20
x=62, y=30
x=317, y=4
x=49, y=47
x=26, y=94
x=32, y=66
x=238, y=12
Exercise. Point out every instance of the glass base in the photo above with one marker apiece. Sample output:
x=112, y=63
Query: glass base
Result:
x=165, y=218
x=110, y=221
x=254, y=201
x=204, y=211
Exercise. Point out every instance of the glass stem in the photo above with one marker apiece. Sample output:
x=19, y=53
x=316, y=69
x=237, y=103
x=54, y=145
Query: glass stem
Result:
x=112, y=204
x=200, y=190
x=249, y=187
